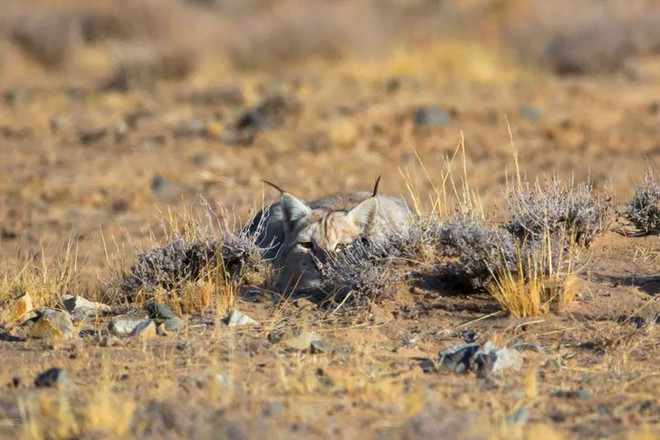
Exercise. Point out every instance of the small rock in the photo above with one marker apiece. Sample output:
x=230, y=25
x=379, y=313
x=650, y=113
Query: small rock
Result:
x=524, y=346
x=432, y=116
x=393, y=84
x=174, y=324
x=18, y=311
x=53, y=377
x=505, y=359
x=529, y=112
x=145, y=330
x=81, y=308
x=159, y=311
x=124, y=325
x=236, y=319
x=52, y=325
x=571, y=394
x=303, y=341
x=481, y=358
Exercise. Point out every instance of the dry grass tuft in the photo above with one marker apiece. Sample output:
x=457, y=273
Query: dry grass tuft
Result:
x=542, y=281
x=45, y=279
x=196, y=265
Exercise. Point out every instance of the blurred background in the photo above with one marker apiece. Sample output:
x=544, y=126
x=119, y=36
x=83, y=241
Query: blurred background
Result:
x=113, y=110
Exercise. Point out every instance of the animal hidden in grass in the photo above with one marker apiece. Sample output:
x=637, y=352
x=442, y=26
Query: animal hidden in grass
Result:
x=299, y=236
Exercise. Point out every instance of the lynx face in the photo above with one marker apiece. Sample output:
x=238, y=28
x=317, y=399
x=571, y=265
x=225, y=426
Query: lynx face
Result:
x=312, y=234
x=299, y=235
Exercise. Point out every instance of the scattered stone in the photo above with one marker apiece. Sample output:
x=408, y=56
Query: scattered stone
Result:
x=481, y=358
x=18, y=311
x=53, y=377
x=77, y=305
x=571, y=394
x=393, y=84
x=269, y=114
x=529, y=112
x=432, y=116
x=51, y=324
x=145, y=330
x=304, y=341
x=124, y=325
x=159, y=311
x=237, y=319
x=174, y=324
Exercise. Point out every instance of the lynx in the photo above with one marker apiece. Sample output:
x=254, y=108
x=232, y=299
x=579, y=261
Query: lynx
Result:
x=297, y=235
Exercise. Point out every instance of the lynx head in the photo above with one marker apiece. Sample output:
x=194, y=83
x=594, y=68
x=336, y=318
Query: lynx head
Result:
x=311, y=234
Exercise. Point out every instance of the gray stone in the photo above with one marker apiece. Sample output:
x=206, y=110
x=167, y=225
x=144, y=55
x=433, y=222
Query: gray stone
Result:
x=236, y=319
x=174, y=324
x=124, y=325
x=76, y=302
x=51, y=324
x=481, y=358
x=432, y=116
x=53, y=377
x=529, y=112
x=159, y=311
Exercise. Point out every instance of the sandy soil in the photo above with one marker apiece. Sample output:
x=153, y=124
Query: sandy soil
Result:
x=100, y=167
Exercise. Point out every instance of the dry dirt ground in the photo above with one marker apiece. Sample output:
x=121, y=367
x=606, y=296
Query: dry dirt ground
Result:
x=96, y=168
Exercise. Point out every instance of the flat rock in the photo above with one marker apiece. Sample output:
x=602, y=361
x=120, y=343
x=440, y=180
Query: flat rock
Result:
x=52, y=324
x=17, y=312
x=236, y=319
x=304, y=341
x=53, y=377
x=77, y=302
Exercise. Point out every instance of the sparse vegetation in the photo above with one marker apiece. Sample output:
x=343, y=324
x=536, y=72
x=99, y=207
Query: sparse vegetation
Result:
x=556, y=208
x=643, y=211
x=115, y=111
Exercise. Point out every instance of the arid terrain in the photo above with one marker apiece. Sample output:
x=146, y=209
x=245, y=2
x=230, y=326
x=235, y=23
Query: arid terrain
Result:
x=125, y=125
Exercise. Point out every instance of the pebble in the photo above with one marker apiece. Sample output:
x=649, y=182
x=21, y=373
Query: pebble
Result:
x=52, y=324
x=432, y=116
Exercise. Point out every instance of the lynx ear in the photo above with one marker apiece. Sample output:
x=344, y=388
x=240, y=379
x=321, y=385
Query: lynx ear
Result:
x=364, y=213
x=295, y=210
